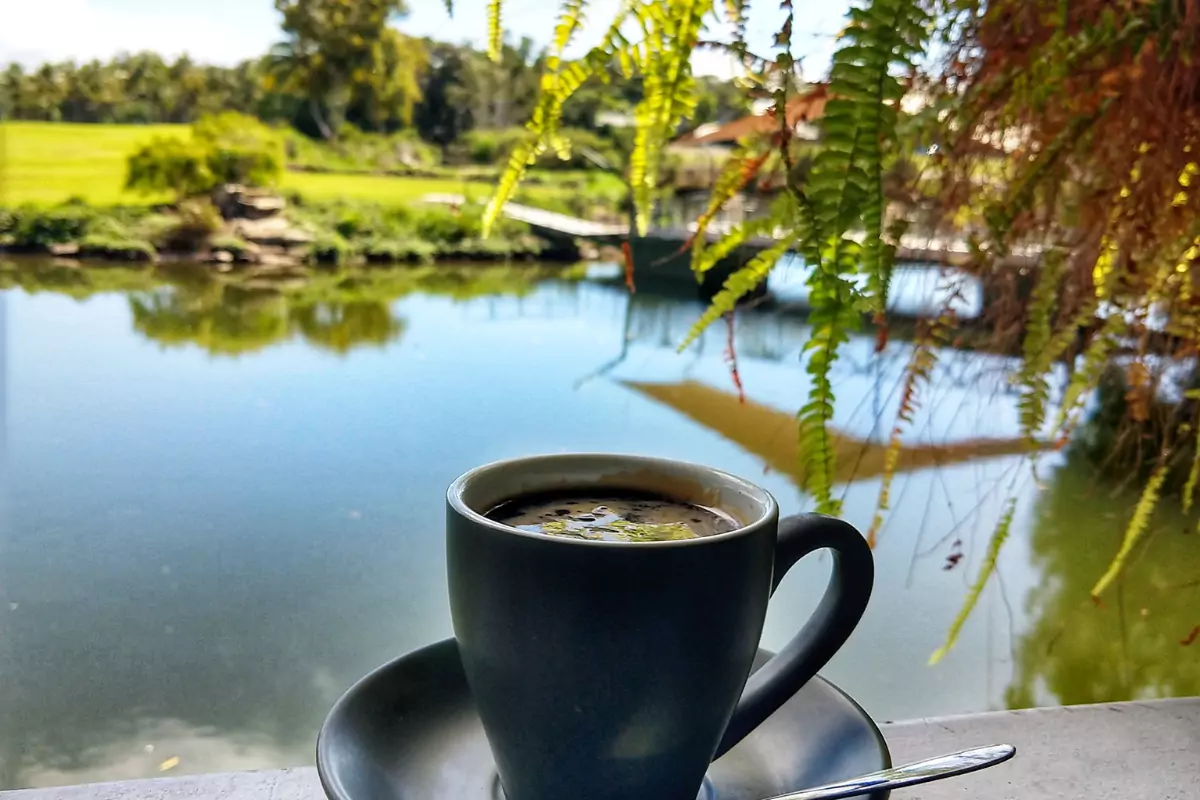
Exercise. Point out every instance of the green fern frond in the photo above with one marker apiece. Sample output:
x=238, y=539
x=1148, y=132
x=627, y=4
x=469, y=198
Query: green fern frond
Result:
x=1138, y=524
x=1087, y=373
x=916, y=375
x=557, y=84
x=1189, y=488
x=1032, y=377
x=495, y=34
x=735, y=10
x=736, y=286
x=672, y=30
x=834, y=316
x=705, y=257
x=739, y=169
x=569, y=21
x=986, y=569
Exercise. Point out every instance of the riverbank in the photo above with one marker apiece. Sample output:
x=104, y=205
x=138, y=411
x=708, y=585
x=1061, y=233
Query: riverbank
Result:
x=239, y=228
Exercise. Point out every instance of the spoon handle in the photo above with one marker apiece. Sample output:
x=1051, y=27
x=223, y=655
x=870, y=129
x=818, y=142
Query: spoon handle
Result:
x=931, y=769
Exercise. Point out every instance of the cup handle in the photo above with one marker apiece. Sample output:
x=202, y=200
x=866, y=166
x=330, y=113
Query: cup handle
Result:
x=831, y=624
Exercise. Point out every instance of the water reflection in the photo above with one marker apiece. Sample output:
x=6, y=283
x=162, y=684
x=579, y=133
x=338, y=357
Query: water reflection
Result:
x=1139, y=642
x=763, y=431
x=202, y=552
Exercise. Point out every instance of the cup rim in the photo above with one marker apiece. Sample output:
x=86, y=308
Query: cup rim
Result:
x=769, y=506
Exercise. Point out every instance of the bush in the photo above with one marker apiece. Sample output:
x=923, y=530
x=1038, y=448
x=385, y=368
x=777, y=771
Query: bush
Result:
x=167, y=164
x=240, y=149
x=116, y=248
x=197, y=220
x=354, y=151
x=396, y=251
x=37, y=229
x=444, y=225
x=226, y=148
x=331, y=249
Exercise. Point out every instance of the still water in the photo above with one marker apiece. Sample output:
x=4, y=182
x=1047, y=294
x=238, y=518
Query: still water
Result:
x=223, y=502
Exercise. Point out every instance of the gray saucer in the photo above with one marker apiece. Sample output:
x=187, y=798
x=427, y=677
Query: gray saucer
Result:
x=409, y=731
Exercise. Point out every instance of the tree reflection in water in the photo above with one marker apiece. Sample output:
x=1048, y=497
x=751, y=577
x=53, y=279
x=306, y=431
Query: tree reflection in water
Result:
x=1132, y=644
x=237, y=314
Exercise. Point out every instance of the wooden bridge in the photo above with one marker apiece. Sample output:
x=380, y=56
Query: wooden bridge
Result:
x=660, y=257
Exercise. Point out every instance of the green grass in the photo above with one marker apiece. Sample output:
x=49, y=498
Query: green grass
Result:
x=45, y=163
x=403, y=191
x=376, y=188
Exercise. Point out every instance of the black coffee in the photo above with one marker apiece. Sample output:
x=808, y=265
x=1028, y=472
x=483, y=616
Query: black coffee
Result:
x=613, y=517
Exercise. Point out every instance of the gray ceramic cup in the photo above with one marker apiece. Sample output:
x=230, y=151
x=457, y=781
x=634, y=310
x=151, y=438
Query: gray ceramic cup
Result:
x=618, y=670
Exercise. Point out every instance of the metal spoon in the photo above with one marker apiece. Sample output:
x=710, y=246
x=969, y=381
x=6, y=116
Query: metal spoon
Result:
x=931, y=769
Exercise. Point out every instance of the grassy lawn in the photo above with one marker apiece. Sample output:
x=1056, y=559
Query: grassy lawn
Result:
x=46, y=163
x=398, y=191
x=377, y=188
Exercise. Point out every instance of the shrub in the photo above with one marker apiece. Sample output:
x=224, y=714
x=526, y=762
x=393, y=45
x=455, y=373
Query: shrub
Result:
x=331, y=249
x=39, y=228
x=226, y=148
x=399, y=251
x=240, y=149
x=196, y=221
x=116, y=248
x=167, y=164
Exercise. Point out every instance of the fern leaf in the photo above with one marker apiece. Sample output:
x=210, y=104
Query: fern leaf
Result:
x=495, y=34
x=736, y=286
x=672, y=33
x=1088, y=372
x=834, y=315
x=558, y=83
x=568, y=23
x=986, y=569
x=916, y=375
x=707, y=257
x=1189, y=488
x=738, y=170
x=1032, y=376
x=1137, y=526
x=736, y=11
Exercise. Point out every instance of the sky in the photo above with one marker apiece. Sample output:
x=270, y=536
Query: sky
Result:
x=226, y=31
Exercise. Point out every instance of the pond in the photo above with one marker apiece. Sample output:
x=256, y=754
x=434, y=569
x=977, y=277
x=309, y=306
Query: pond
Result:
x=223, y=500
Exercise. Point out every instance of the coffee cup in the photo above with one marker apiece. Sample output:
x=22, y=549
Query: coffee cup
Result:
x=612, y=670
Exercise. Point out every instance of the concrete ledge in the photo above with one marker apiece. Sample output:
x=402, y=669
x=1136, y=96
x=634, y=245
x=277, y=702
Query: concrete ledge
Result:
x=1129, y=751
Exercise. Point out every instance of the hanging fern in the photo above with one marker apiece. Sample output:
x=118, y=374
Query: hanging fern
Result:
x=705, y=258
x=1138, y=524
x=1189, y=488
x=569, y=21
x=559, y=82
x=736, y=286
x=495, y=34
x=843, y=194
x=672, y=31
x=738, y=170
x=916, y=375
x=1032, y=377
x=986, y=570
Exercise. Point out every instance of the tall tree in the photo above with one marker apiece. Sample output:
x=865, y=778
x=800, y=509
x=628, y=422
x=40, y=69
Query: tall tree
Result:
x=332, y=48
x=450, y=92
